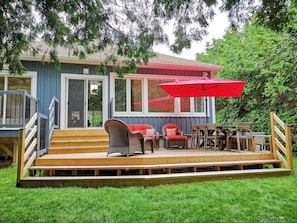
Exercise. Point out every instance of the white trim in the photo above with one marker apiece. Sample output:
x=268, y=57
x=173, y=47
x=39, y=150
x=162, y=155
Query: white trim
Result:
x=145, y=113
x=64, y=89
x=29, y=74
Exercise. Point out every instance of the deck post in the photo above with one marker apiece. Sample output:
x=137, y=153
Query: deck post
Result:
x=21, y=152
x=273, y=144
x=289, y=147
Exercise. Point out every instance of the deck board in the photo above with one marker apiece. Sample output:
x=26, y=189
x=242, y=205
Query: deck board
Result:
x=149, y=180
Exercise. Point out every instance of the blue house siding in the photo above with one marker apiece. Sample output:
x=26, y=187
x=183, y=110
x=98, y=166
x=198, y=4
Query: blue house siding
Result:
x=49, y=80
x=48, y=83
x=49, y=86
x=158, y=122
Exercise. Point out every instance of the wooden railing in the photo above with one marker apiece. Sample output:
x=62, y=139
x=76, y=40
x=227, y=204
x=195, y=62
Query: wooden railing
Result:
x=281, y=141
x=28, y=143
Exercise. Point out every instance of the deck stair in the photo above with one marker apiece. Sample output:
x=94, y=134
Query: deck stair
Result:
x=78, y=141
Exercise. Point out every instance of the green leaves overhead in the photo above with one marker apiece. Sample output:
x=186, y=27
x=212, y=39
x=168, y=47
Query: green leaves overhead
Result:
x=86, y=27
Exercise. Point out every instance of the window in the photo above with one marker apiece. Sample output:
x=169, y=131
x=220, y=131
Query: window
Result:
x=158, y=99
x=199, y=104
x=19, y=83
x=128, y=89
x=11, y=105
x=185, y=105
x=120, y=95
x=136, y=95
x=143, y=96
x=13, y=83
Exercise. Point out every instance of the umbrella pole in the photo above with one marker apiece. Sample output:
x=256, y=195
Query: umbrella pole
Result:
x=206, y=120
x=206, y=111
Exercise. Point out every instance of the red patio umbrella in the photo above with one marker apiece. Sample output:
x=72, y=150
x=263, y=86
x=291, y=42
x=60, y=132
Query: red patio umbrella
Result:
x=204, y=87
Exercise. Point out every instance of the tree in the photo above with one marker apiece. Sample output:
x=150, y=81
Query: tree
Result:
x=125, y=28
x=267, y=61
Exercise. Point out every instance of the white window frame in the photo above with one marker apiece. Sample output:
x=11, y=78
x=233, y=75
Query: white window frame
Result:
x=145, y=78
x=30, y=74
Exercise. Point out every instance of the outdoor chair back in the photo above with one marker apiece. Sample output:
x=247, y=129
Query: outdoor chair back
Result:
x=122, y=140
x=243, y=133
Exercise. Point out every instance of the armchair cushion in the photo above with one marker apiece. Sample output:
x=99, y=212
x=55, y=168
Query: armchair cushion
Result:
x=150, y=132
x=171, y=132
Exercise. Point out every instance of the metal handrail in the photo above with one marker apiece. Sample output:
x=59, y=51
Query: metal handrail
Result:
x=16, y=108
x=53, y=118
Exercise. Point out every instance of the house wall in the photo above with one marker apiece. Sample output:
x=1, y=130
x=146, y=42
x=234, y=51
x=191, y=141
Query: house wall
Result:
x=184, y=123
x=48, y=83
x=49, y=80
x=49, y=86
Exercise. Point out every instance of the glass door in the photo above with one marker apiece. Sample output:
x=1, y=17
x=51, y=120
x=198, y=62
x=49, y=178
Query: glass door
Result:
x=76, y=103
x=95, y=103
x=84, y=103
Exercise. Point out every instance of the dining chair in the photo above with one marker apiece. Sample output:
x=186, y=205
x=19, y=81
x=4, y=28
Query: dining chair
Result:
x=262, y=140
x=201, y=133
x=194, y=135
x=243, y=133
x=213, y=139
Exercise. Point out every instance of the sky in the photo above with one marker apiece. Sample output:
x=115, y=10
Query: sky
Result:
x=216, y=30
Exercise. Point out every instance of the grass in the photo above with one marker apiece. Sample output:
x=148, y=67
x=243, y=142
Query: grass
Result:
x=258, y=200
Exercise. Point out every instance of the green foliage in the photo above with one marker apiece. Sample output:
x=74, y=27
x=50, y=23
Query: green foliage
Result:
x=266, y=60
x=125, y=30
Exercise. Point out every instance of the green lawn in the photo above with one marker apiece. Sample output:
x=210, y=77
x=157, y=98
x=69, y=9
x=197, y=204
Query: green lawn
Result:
x=259, y=200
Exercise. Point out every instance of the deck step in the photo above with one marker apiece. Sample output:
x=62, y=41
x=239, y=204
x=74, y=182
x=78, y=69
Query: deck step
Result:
x=80, y=149
x=78, y=141
x=150, y=180
x=169, y=168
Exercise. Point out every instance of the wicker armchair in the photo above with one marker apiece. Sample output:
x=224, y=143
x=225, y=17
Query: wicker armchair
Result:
x=173, y=137
x=122, y=140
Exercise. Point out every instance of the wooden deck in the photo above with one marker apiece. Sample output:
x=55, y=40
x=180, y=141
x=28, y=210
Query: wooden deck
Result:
x=77, y=165
x=161, y=167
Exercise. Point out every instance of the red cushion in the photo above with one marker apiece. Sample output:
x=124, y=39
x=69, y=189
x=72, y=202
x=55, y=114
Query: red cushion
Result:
x=176, y=137
x=139, y=128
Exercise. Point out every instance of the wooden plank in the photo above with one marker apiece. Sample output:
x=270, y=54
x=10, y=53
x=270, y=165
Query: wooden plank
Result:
x=159, y=157
x=169, y=167
x=6, y=150
x=149, y=180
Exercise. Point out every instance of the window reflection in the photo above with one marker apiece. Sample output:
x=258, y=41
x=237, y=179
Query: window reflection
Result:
x=158, y=99
x=136, y=95
x=120, y=95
